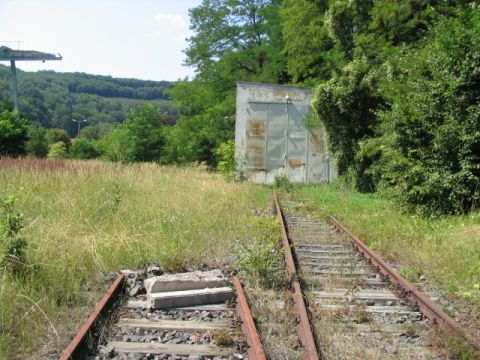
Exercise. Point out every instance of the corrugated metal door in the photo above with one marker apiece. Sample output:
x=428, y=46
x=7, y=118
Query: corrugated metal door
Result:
x=318, y=162
x=296, y=158
x=276, y=139
x=256, y=126
x=278, y=143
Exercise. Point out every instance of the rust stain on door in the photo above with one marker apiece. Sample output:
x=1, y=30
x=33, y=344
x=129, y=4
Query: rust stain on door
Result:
x=317, y=145
x=256, y=128
x=295, y=163
x=256, y=153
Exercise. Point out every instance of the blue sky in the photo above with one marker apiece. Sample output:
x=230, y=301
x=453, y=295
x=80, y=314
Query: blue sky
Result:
x=123, y=38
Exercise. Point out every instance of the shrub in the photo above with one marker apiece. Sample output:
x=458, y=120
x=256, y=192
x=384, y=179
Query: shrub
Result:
x=262, y=264
x=58, y=150
x=37, y=143
x=226, y=163
x=13, y=245
x=84, y=149
x=13, y=134
x=428, y=154
x=57, y=135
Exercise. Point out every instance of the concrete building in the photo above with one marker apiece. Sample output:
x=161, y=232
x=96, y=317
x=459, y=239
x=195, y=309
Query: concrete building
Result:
x=272, y=139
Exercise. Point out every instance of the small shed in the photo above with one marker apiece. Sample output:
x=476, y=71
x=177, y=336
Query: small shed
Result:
x=271, y=138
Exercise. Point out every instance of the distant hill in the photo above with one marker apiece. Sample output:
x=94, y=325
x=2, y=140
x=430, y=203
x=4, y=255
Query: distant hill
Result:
x=54, y=99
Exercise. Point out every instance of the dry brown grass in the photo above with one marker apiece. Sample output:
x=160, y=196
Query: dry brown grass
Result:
x=87, y=217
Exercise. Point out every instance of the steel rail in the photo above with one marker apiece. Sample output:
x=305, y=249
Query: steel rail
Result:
x=255, y=348
x=436, y=315
x=304, y=328
x=77, y=349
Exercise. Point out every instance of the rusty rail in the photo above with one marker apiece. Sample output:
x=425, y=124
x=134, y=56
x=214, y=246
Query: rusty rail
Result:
x=255, y=349
x=436, y=315
x=78, y=349
x=304, y=328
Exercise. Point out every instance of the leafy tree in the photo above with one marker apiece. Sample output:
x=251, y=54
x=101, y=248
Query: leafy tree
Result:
x=428, y=149
x=57, y=150
x=58, y=135
x=139, y=138
x=37, y=143
x=233, y=37
x=84, y=149
x=13, y=133
x=233, y=40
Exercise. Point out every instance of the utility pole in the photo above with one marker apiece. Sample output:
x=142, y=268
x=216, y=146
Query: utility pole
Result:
x=80, y=122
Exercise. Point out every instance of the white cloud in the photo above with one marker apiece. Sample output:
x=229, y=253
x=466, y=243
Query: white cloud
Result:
x=171, y=20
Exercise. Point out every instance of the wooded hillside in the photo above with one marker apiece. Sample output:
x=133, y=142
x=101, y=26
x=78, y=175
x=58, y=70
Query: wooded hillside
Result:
x=54, y=99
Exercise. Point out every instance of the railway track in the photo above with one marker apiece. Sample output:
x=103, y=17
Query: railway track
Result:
x=349, y=304
x=191, y=316
x=359, y=306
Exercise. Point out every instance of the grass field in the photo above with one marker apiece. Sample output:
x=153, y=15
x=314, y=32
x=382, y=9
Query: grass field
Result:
x=84, y=218
x=441, y=253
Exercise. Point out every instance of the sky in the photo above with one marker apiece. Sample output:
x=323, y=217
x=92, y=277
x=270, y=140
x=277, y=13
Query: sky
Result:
x=140, y=39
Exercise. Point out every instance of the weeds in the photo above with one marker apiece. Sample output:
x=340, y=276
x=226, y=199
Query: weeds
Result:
x=262, y=262
x=181, y=217
x=13, y=257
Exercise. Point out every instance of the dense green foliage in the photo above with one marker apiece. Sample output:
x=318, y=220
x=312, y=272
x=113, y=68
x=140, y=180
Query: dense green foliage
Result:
x=54, y=99
x=397, y=90
x=139, y=138
x=13, y=133
x=233, y=41
x=37, y=143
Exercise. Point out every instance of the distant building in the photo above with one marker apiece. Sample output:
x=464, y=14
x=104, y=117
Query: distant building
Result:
x=271, y=138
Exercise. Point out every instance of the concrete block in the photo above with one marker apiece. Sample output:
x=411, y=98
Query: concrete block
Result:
x=174, y=299
x=185, y=281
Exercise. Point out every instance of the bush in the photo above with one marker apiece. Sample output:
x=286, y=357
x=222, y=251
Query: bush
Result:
x=58, y=150
x=37, y=143
x=262, y=264
x=226, y=159
x=57, y=135
x=13, y=134
x=84, y=149
x=13, y=255
x=428, y=154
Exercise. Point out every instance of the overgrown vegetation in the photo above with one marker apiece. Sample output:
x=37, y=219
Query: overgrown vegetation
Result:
x=396, y=87
x=261, y=263
x=86, y=217
x=12, y=256
x=444, y=250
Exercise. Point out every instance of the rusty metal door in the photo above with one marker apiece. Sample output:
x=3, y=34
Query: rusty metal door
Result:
x=318, y=161
x=278, y=143
x=296, y=135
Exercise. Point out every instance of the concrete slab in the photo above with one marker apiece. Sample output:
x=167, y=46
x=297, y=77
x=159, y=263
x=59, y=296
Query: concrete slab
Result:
x=172, y=349
x=180, y=325
x=185, y=281
x=171, y=299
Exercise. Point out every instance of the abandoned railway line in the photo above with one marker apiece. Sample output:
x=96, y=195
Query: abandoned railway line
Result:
x=195, y=315
x=348, y=303
x=359, y=306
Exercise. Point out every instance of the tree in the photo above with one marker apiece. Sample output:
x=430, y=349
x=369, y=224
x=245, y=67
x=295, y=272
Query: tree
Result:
x=13, y=133
x=37, y=143
x=233, y=37
x=428, y=146
x=139, y=138
x=58, y=150
x=58, y=135
x=84, y=149
x=233, y=41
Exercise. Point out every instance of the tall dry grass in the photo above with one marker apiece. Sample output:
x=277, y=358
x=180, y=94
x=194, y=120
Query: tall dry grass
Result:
x=87, y=217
